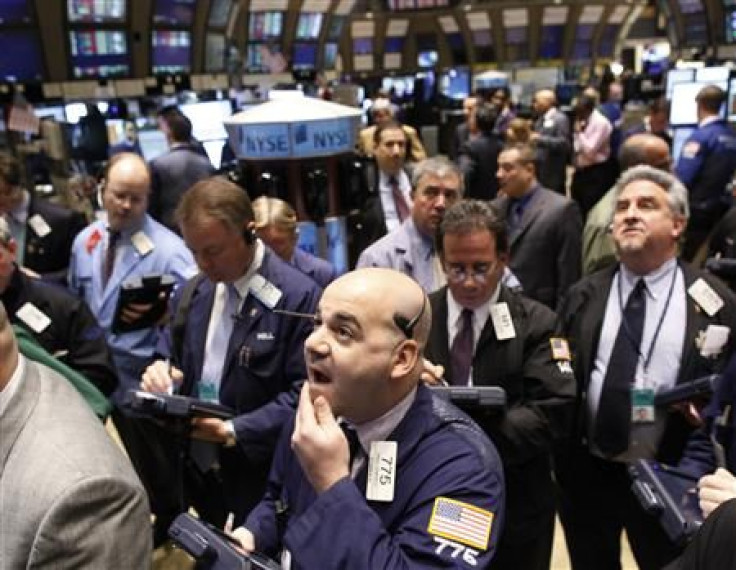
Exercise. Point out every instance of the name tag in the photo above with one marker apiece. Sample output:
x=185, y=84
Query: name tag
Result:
x=704, y=295
x=265, y=291
x=502, y=322
x=33, y=317
x=39, y=225
x=142, y=243
x=381, y=471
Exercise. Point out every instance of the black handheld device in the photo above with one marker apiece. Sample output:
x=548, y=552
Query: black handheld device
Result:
x=165, y=406
x=700, y=388
x=212, y=548
x=153, y=290
x=490, y=398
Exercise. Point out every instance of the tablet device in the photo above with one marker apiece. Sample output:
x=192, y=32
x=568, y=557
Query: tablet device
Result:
x=491, y=398
x=670, y=495
x=212, y=548
x=698, y=389
x=148, y=289
x=167, y=406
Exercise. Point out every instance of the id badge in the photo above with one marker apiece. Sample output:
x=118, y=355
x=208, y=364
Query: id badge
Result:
x=208, y=392
x=642, y=405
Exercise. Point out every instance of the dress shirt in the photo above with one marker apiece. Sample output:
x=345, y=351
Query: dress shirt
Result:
x=593, y=144
x=12, y=386
x=379, y=430
x=517, y=206
x=666, y=355
x=387, y=198
x=480, y=317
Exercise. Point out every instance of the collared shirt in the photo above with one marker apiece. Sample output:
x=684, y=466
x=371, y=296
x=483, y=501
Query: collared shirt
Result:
x=517, y=206
x=380, y=429
x=666, y=352
x=426, y=269
x=12, y=386
x=708, y=120
x=593, y=145
x=387, y=198
x=480, y=317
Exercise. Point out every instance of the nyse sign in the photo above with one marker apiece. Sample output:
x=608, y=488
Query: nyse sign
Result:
x=298, y=140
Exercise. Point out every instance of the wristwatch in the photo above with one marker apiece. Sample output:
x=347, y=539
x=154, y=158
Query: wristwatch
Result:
x=230, y=440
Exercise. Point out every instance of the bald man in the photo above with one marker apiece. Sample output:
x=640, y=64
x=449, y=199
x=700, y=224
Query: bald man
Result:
x=424, y=487
x=551, y=137
x=599, y=250
x=68, y=496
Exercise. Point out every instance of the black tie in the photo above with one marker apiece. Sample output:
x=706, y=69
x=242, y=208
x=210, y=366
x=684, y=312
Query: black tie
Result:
x=613, y=422
x=353, y=442
x=109, y=265
x=461, y=356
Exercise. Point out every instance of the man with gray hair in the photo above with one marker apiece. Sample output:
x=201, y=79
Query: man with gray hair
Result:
x=436, y=185
x=636, y=328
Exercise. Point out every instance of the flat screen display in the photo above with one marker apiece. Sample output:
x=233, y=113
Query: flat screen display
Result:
x=394, y=45
x=153, y=144
x=15, y=12
x=171, y=51
x=304, y=56
x=683, y=109
x=55, y=112
x=582, y=50
x=265, y=58
x=457, y=47
x=207, y=119
x=174, y=12
x=219, y=13
x=584, y=32
x=455, y=83
x=330, y=56
x=21, y=58
x=362, y=46
x=716, y=74
x=334, y=32
x=482, y=38
x=309, y=25
x=214, y=53
x=265, y=25
x=730, y=34
x=678, y=76
x=99, y=53
x=516, y=35
x=551, y=42
x=427, y=58
x=102, y=11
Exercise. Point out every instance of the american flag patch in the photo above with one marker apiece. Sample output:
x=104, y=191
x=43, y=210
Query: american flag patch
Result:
x=460, y=521
x=560, y=348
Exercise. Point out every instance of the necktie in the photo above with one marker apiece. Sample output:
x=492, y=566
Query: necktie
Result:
x=354, y=445
x=613, y=422
x=461, y=356
x=109, y=262
x=517, y=211
x=402, y=208
x=214, y=360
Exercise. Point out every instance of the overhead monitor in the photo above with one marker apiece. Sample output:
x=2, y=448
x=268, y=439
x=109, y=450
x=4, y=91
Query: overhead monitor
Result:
x=153, y=143
x=455, y=83
x=482, y=38
x=214, y=52
x=732, y=102
x=427, y=58
x=171, y=51
x=265, y=58
x=330, y=56
x=101, y=53
x=219, y=13
x=683, y=108
x=207, y=118
x=717, y=74
x=174, y=12
x=334, y=32
x=457, y=47
x=393, y=45
x=304, y=55
x=265, y=25
x=678, y=76
x=14, y=12
x=551, y=42
x=582, y=50
x=730, y=23
x=55, y=112
x=362, y=46
x=95, y=11
x=21, y=58
x=309, y=25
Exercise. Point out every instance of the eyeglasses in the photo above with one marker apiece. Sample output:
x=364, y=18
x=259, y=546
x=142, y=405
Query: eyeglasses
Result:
x=458, y=273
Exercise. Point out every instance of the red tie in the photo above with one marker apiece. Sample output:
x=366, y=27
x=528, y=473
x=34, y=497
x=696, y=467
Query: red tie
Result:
x=402, y=208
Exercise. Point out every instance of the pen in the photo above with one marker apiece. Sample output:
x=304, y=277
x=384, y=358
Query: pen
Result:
x=229, y=522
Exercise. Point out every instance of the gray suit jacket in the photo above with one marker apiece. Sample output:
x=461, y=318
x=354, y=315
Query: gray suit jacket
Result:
x=545, y=248
x=68, y=497
x=553, y=150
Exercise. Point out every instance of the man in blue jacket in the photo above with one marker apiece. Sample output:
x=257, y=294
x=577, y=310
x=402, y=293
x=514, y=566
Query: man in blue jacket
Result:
x=706, y=166
x=241, y=346
x=424, y=488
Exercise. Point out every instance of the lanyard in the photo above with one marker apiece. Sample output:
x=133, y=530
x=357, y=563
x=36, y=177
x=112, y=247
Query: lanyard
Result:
x=628, y=333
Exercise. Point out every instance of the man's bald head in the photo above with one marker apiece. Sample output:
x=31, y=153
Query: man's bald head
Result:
x=126, y=190
x=645, y=148
x=544, y=99
x=130, y=167
x=395, y=300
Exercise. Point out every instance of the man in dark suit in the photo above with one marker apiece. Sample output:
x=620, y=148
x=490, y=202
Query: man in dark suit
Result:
x=463, y=132
x=638, y=327
x=236, y=348
x=485, y=335
x=544, y=228
x=551, y=138
x=389, y=183
x=43, y=231
x=478, y=157
x=174, y=172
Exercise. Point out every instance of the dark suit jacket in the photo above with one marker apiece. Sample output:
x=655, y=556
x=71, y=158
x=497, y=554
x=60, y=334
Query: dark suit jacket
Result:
x=49, y=255
x=171, y=175
x=478, y=161
x=540, y=399
x=553, y=150
x=546, y=247
x=581, y=320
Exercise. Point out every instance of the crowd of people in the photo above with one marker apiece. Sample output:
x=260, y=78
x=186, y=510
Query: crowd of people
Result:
x=475, y=270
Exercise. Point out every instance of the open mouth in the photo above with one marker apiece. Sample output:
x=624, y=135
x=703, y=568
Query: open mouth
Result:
x=318, y=377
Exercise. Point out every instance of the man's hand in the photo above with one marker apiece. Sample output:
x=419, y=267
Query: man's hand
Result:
x=433, y=374
x=319, y=442
x=715, y=489
x=245, y=538
x=161, y=378
x=209, y=429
